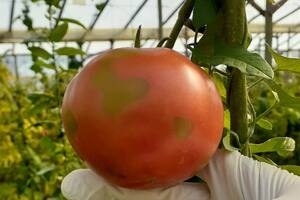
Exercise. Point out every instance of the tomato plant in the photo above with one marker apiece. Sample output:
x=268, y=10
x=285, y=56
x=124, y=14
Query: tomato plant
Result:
x=139, y=117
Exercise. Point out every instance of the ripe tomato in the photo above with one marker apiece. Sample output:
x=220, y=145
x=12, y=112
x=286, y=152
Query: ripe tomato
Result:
x=143, y=118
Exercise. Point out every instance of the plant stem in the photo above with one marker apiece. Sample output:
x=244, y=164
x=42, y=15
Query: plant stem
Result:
x=235, y=32
x=237, y=101
x=57, y=90
x=267, y=111
x=234, y=21
x=183, y=15
x=255, y=83
x=52, y=26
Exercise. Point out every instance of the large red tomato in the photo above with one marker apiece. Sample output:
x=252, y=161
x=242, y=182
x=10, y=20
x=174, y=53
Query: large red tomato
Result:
x=143, y=118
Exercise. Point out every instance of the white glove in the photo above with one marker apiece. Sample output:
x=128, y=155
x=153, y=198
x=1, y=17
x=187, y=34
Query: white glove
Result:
x=229, y=176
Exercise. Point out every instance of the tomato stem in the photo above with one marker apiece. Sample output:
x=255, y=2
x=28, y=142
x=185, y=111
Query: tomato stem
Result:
x=234, y=21
x=235, y=33
x=237, y=102
x=183, y=15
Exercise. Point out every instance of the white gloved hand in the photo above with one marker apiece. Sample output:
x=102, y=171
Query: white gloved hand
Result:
x=229, y=176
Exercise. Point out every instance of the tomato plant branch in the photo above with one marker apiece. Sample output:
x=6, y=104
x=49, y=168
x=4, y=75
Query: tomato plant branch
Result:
x=184, y=14
x=237, y=101
x=57, y=90
x=51, y=27
x=262, y=115
x=255, y=83
x=235, y=32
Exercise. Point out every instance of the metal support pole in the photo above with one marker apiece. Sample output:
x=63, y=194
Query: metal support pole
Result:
x=278, y=5
x=135, y=14
x=286, y=15
x=173, y=13
x=254, y=17
x=277, y=41
x=16, y=69
x=257, y=7
x=288, y=43
x=92, y=24
x=268, y=31
x=61, y=12
x=160, y=22
x=11, y=15
x=94, y=21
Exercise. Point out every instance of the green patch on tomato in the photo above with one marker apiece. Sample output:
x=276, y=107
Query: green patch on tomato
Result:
x=117, y=94
x=182, y=127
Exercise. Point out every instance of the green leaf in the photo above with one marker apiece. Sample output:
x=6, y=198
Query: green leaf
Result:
x=46, y=169
x=44, y=123
x=137, y=41
x=73, y=63
x=69, y=51
x=58, y=33
x=162, y=42
x=52, y=3
x=265, y=124
x=36, y=68
x=282, y=145
x=7, y=190
x=46, y=143
x=227, y=119
x=35, y=97
x=277, y=100
x=40, y=102
x=27, y=21
x=35, y=157
x=286, y=64
x=264, y=159
x=291, y=168
x=205, y=12
x=72, y=21
x=44, y=64
x=39, y=52
x=249, y=63
x=285, y=99
x=218, y=79
x=100, y=7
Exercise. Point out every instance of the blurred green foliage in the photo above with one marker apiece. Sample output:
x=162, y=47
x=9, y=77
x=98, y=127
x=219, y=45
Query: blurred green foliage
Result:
x=34, y=153
x=285, y=121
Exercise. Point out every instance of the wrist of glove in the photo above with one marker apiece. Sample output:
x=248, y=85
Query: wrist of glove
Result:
x=229, y=176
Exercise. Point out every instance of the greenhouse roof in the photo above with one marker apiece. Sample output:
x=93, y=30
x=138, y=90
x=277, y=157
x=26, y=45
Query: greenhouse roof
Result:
x=127, y=14
x=121, y=14
x=120, y=19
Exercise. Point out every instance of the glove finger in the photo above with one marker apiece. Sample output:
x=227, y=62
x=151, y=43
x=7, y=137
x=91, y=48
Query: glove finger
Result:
x=220, y=175
x=81, y=184
x=184, y=191
x=231, y=175
x=84, y=184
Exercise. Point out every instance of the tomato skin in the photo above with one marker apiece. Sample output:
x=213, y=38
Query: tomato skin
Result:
x=143, y=118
